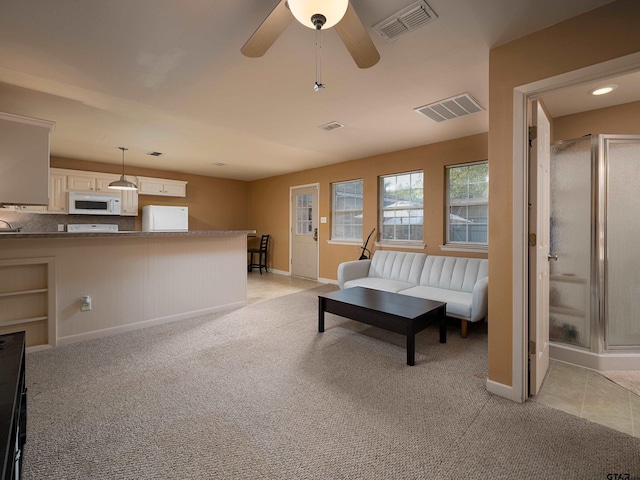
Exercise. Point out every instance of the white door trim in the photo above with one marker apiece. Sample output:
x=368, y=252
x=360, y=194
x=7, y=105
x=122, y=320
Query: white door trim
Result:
x=291, y=189
x=521, y=95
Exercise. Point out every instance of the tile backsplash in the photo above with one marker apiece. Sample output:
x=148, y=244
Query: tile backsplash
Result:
x=41, y=222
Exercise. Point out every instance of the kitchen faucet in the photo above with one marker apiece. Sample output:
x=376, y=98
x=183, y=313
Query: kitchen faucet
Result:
x=10, y=228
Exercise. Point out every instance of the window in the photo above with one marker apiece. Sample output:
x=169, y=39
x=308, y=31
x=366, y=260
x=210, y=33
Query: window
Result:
x=401, y=200
x=347, y=211
x=304, y=214
x=468, y=203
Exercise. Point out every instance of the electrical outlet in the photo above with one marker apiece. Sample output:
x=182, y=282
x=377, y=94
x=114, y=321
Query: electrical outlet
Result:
x=61, y=227
x=85, y=303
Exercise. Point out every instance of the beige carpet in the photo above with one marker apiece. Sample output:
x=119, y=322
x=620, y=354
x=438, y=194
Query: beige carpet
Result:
x=627, y=379
x=258, y=393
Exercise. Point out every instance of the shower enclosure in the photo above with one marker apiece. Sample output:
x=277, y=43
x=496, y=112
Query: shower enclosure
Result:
x=594, y=293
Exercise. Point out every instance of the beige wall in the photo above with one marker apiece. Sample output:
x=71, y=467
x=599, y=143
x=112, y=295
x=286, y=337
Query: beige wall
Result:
x=621, y=119
x=214, y=203
x=594, y=37
x=269, y=198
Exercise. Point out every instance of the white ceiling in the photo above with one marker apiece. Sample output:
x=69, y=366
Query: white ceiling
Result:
x=168, y=76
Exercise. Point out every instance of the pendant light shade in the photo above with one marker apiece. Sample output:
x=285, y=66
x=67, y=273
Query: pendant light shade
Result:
x=332, y=10
x=123, y=183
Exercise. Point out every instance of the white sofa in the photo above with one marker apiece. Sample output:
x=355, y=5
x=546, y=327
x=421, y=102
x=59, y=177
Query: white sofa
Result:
x=460, y=282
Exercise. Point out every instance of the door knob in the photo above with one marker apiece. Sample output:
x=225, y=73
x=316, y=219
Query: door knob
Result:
x=553, y=257
x=315, y=234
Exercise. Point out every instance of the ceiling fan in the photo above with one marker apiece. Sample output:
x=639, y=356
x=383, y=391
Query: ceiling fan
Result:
x=316, y=14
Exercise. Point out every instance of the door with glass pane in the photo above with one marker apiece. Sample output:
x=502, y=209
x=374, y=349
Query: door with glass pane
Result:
x=304, y=232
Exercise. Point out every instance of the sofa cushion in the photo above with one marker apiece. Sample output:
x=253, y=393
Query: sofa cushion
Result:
x=385, y=284
x=453, y=273
x=401, y=266
x=458, y=303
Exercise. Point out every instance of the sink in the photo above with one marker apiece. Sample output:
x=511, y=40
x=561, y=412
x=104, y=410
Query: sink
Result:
x=9, y=228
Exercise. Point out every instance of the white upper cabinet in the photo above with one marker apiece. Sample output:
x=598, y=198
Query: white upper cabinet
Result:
x=90, y=182
x=57, y=193
x=129, y=200
x=161, y=186
x=24, y=159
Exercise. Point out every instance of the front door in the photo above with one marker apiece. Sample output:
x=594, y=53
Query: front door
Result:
x=304, y=232
x=539, y=254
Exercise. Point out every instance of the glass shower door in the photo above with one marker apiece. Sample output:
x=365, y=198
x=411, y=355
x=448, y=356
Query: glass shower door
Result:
x=571, y=239
x=622, y=265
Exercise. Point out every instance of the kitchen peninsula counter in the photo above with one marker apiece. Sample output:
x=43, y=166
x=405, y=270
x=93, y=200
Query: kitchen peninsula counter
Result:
x=135, y=279
x=124, y=233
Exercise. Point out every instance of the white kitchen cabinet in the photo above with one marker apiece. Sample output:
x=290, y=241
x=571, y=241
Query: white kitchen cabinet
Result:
x=103, y=181
x=90, y=182
x=161, y=186
x=129, y=200
x=57, y=193
x=80, y=182
x=24, y=156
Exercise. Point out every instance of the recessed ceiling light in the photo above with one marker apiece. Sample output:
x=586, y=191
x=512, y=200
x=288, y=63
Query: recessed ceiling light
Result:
x=154, y=154
x=603, y=90
x=218, y=164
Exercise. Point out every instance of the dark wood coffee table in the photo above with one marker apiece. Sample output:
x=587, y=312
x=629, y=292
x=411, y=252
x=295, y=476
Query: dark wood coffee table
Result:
x=391, y=311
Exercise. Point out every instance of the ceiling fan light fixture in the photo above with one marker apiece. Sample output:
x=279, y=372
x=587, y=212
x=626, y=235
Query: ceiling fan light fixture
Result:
x=332, y=10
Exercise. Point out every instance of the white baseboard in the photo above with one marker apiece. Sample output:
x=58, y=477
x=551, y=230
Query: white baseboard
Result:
x=37, y=348
x=146, y=323
x=328, y=280
x=502, y=390
x=280, y=272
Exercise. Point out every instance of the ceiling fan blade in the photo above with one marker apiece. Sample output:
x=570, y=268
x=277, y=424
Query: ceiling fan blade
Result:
x=356, y=39
x=268, y=31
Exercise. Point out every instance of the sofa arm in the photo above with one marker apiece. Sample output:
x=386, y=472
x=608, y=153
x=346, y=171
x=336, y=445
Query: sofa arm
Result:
x=352, y=270
x=479, y=306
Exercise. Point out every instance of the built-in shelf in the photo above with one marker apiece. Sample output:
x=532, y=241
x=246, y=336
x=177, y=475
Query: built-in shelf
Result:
x=22, y=321
x=27, y=299
x=23, y=292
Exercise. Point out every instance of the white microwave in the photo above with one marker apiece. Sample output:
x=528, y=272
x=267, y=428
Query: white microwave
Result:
x=91, y=203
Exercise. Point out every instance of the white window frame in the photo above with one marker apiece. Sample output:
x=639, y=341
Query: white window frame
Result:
x=405, y=243
x=465, y=246
x=336, y=239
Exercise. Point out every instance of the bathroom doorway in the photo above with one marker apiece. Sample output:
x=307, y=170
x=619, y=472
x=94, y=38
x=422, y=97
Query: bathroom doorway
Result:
x=594, y=301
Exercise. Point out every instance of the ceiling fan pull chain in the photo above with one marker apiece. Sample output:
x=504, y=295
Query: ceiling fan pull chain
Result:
x=318, y=83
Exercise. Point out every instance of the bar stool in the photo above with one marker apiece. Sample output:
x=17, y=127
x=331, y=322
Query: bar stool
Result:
x=262, y=254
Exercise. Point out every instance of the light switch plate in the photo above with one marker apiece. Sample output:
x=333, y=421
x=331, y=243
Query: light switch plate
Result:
x=323, y=219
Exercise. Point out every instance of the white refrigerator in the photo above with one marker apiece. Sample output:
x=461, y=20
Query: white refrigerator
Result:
x=159, y=218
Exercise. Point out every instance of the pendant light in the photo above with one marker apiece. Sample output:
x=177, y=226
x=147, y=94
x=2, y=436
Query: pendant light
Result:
x=123, y=183
x=306, y=10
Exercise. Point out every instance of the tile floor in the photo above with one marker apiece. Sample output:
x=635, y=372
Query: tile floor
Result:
x=575, y=390
x=271, y=285
x=587, y=394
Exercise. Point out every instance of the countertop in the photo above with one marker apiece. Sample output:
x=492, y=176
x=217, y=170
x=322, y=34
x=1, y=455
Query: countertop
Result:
x=191, y=233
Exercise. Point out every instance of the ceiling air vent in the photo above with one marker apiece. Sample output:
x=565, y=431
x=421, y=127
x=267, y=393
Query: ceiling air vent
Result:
x=331, y=126
x=450, y=108
x=406, y=20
